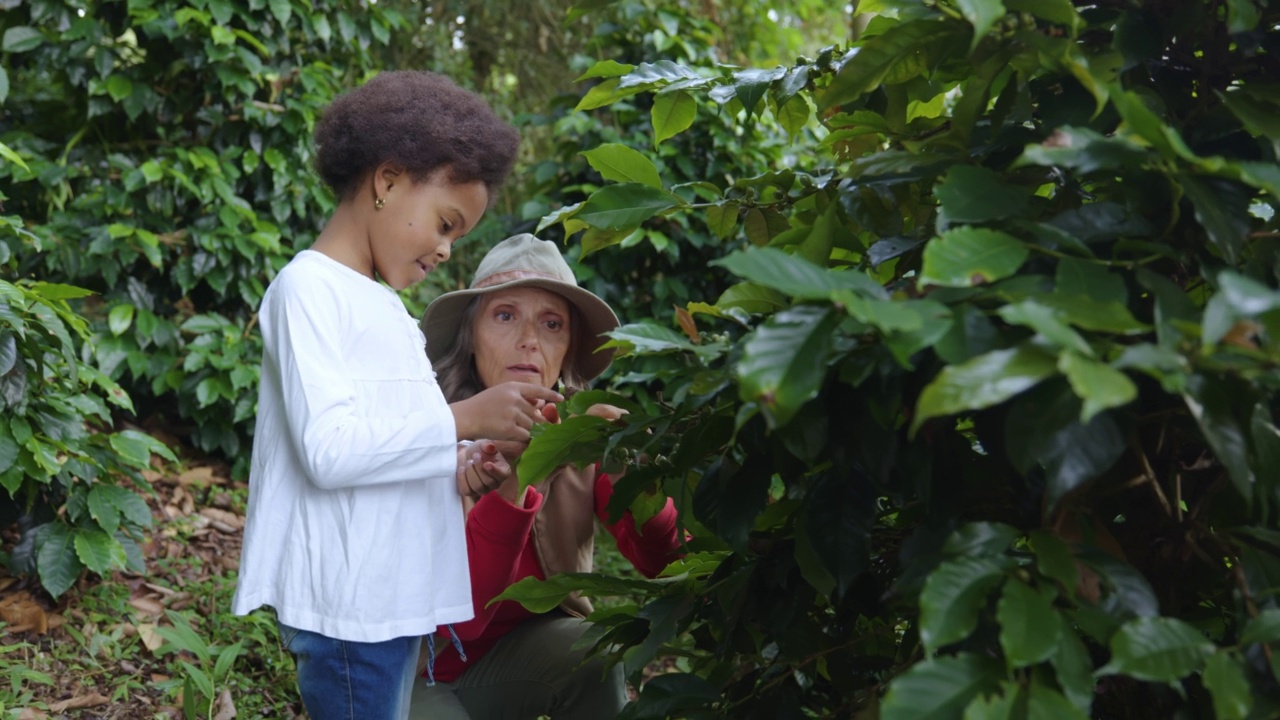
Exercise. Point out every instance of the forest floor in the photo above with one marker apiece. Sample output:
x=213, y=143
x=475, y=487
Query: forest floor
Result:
x=147, y=646
x=163, y=644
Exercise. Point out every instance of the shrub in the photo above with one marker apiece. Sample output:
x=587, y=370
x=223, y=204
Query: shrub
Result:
x=988, y=419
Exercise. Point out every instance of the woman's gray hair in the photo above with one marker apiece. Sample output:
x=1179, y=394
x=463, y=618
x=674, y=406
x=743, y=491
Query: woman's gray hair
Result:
x=456, y=370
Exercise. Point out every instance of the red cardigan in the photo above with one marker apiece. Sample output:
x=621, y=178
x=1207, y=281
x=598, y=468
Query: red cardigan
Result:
x=500, y=551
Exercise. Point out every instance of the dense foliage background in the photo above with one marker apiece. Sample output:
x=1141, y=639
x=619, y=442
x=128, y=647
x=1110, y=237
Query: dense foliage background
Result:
x=953, y=325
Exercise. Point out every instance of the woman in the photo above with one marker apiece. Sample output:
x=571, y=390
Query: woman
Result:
x=525, y=318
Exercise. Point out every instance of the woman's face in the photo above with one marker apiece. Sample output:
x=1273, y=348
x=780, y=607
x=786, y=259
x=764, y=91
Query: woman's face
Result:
x=521, y=334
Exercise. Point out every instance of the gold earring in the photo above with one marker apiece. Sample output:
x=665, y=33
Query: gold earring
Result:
x=379, y=203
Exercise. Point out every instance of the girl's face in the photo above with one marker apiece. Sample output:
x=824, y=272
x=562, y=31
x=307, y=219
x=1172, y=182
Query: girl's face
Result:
x=416, y=228
x=521, y=333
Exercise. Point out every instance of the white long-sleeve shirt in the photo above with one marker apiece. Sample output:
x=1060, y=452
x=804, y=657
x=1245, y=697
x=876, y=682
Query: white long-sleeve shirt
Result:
x=354, y=527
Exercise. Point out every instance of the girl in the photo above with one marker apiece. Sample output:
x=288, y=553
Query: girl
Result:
x=355, y=453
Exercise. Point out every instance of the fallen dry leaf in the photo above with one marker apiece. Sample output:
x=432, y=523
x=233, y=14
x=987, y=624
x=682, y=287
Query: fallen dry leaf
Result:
x=223, y=708
x=147, y=606
x=75, y=703
x=150, y=638
x=32, y=714
x=232, y=521
x=200, y=475
x=22, y=614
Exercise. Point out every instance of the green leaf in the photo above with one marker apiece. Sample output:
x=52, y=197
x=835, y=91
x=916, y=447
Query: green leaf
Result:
x=752, y=297
x=1157, y=649
x=953, y=595
x=1029, y=627
x=1048, y=322
x=99, y=551
x=1263, y=628
x=1238, y=298
x=1091, y=314
x=1089, y=279
x=1212, y=403
x=59, y=291
x=1054, y=560
x=970, y=256
x=982, y=14
x=102, y=509
x=1099, y=385
x=1074, y=668
x=136, y=448
x=127, y=504
x=784, y=361
x=119, y=319
x=886, y=315
x=8, y=351
x=605, y=69
x=1141, y=121
x=876, y=57
x=970, y=194
x=1085, y=151
x=984, y=381
x=648, y=338
x=793, y=115
x=226, y=659
x=540, y=596
x=620, y=163
x=56, y=558
x=1046, y=703
x=201, y=680
x=1060, y=12
x=182, y=637
x=672, y=114
x=1242, y=17
x=281, y=10
x=657, y=73
x=1224, y=676
x=1127, y=592
x=8, y=154
x=8, y=448
x=1258, y=116
x=623, y=206
x=940, y=688
x=1222, y=210
x=4, y=90
x=667, y=694
x=553, y=444
x=937, y=321
x=796, y=276
x=119, y=87
x=977, y=539
x=722, y=219
x=1001, y=706
x=21, y=38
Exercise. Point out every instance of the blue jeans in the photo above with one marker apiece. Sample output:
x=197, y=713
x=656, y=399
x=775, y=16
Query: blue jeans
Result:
x=343, y=680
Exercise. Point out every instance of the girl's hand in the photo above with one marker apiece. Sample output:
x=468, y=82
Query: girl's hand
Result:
x=481, y=469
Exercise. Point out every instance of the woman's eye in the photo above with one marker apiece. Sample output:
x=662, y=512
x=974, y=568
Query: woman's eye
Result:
x=555, y=324
x=503, y=315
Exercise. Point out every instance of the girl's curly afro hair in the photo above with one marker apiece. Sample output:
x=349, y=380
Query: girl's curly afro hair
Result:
x=419, y=120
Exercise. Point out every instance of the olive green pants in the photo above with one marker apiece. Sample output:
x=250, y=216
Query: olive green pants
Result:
x=533, y=671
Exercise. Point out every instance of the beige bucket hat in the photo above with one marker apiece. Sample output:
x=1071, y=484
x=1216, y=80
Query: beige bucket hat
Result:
x=525, y=261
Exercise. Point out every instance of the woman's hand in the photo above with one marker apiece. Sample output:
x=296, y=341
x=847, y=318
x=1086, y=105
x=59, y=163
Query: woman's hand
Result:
x=503, y=412
x=551, y=413
x=481, y=469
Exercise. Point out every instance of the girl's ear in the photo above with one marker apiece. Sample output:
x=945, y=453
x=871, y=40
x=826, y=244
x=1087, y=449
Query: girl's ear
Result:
x=384, y=178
